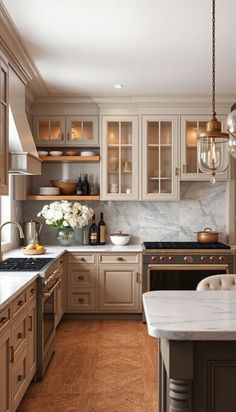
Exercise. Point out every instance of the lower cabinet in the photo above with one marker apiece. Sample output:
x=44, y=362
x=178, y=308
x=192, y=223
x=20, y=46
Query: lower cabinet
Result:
x=119, y=288
x=103, y=282
x=5, y=370
x=17, y=348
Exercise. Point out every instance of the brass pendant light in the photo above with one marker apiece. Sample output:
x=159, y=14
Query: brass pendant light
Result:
x=212, y=146
x=231, y=123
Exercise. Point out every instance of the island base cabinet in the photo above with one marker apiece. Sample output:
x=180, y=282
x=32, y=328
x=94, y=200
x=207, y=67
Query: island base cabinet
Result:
x=119, y=288
x=197, y=376
x=19, y=378
x=5, y=371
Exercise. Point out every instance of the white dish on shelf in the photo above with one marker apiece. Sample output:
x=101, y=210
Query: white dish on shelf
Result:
x=56, y=153
x=87, y=153
x=49, y=191
x=42, y=153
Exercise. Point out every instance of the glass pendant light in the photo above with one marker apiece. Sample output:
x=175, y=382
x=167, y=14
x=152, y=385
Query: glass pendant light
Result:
x=212, y=146
x=231, y=123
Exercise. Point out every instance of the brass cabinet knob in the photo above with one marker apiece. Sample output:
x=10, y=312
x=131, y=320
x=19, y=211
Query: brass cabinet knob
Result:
x=20, y=302
x=20, y=335
x=20, y=378
x=81, y=277
x=3, y=320
x=81, y=300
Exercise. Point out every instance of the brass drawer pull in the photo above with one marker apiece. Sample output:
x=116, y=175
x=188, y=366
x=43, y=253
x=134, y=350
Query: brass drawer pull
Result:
x=82, y=259
x=12, y=354
x=81, y=277
x=20, y=378
x=119, y=258
x=81, y=300
x=30, y=319
x=20, y=335
x=61, y=262
x=20, y=303
x=3, y=320
x=32, y=290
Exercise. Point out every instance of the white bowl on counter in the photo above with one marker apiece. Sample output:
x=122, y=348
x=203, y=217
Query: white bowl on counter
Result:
x=49, y=191
x=120, y=238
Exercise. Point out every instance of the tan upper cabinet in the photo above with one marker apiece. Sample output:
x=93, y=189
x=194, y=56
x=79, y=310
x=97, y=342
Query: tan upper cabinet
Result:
x=191, y=127
x=4, y=109
x=65, y=130
x=120, y=157
x=160, y=158
x=82, y=130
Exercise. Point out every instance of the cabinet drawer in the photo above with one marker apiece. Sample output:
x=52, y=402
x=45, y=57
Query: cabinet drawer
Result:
x=19, y=378
x=4, y=318
x=82, y=258
x=18, y=304
x=119, y=258
x=19, y=337
x=82, y=300
x=31, y=291
x=82, y=276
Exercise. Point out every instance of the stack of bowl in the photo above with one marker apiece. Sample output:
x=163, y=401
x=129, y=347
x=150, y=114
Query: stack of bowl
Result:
x=114, y=188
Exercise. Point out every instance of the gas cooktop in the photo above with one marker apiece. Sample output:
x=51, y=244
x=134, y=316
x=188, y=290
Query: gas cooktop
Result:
x=24, y=264
x=184, y=245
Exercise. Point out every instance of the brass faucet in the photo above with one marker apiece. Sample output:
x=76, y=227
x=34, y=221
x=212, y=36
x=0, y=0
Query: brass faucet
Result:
x=19, y=228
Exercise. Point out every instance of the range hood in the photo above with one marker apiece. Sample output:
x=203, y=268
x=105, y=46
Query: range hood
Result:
x=24, y=158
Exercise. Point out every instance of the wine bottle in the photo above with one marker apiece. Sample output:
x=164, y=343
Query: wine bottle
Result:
x=93, y=232
x=101, y=231
x=79, y=190
x=85, y=186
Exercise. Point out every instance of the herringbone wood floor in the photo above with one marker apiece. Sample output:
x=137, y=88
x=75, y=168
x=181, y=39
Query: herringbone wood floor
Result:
x=99, y=366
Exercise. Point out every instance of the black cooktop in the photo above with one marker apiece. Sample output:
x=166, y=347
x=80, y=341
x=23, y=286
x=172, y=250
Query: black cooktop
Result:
x=24, y=264
x=184, y=245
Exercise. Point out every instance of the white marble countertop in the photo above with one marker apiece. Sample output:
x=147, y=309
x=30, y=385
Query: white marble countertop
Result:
x=191, y=315
x=11, y=283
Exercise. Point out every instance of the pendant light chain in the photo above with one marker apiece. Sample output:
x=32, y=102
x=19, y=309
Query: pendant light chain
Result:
x=213, y=58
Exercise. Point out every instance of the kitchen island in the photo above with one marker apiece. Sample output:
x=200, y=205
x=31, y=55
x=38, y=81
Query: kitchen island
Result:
x=197, y=351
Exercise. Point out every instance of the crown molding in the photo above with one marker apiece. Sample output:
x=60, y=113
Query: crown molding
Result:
x=13, y=47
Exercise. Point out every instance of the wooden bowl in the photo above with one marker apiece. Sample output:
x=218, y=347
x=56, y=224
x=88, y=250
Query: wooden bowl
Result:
x=71, y=153
x=32, y=251
x=66, y=187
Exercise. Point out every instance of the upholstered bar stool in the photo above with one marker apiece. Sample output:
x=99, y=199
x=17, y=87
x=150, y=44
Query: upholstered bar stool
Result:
x=218, y=282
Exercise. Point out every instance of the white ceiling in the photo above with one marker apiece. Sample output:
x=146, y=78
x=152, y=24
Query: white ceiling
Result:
x=157, y=47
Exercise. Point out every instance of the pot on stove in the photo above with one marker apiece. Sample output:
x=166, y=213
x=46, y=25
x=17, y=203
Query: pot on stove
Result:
x=207, y=236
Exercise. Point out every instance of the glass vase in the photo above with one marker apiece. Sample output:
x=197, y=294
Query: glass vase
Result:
x=66, y=236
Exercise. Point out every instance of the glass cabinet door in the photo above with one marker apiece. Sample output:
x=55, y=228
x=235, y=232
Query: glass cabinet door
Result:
x=82, y=130
x=49, y=131
x=160, y=158
x=121, y=154
x=191, y=127
x=4, y=128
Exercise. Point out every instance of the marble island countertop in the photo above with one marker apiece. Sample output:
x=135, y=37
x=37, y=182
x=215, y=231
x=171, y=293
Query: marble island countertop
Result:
x=191, y=315
x=12, y=283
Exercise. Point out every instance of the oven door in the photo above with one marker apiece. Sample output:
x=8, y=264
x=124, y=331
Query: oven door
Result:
x=180, y=277
x=48, y=318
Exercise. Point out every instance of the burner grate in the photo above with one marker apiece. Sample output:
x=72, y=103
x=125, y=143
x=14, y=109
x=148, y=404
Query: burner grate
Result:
x=23, y=264
x=184, y=245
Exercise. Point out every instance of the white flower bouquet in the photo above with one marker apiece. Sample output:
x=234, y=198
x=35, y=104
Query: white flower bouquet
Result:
x=65, y=214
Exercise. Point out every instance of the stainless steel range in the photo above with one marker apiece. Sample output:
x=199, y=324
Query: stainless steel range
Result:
x=181, y=265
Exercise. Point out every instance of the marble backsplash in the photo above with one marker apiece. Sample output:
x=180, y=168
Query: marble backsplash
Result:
x=201, y=205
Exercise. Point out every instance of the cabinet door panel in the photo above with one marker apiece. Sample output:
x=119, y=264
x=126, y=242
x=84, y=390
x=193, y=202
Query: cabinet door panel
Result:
x=119, y=288
x=49, y=131
x=82, y=130
x=120, y=157
x=82, y=276
x=160, y=158
x=81, y=300
x=19, y=378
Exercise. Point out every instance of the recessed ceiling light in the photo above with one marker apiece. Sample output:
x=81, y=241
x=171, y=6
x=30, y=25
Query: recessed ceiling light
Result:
x=118, y=86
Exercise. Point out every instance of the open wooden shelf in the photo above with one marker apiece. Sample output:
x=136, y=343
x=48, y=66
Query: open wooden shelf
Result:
x=79, y=159
x=62, y=197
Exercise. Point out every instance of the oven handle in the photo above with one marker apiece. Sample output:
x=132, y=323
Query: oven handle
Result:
x=48, y=294
x=189, y=266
